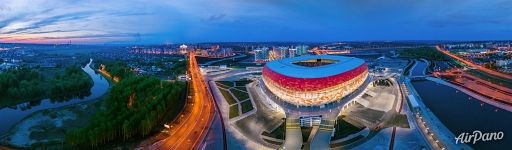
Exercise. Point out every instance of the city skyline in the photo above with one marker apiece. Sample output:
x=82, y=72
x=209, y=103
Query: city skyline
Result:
x=138, y=22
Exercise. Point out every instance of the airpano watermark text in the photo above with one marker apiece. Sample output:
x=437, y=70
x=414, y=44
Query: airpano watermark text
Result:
x=478, y=136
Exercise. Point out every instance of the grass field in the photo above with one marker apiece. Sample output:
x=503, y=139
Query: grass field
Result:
x=343, y=129
x=222, y=85
x=228, y=97
x=306, y=131
x=400, y=121
x=278, y=133
x=242, y=88
x=240, y=95
x=242, y=82
x=246, y=106
x=233, y=111
x=227, y=83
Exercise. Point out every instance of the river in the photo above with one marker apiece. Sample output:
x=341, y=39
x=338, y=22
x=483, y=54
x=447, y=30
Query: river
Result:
x=14, y=114
x=419, y=68
x=460, y=113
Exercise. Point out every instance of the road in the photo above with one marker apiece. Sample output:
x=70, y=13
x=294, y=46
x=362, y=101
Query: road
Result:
x=469, y=63
x=189, y=133
x=233, y=57
x=103, y=71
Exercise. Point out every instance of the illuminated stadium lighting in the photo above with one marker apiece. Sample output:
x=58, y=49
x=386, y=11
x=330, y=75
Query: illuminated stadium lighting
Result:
x=314, y=80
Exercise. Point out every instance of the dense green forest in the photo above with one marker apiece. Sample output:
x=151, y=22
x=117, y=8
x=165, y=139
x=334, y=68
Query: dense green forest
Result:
x=429, y=53
x=21, y=84
x=133, y=108
x=179, y=67
x=73, y=82
x=24, y=84
x=171, y=67
x=117, y=69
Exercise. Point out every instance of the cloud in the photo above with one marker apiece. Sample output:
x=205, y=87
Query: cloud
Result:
x=225, y=20
x=43, y=22
x=478, y=14
x=3, y=9
x=47, y=31
x=215, y=17
x=125, y=36
x=128, y=13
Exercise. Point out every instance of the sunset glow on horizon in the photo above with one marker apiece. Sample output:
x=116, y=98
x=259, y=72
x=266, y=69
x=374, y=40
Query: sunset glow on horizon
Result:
x=116, y=21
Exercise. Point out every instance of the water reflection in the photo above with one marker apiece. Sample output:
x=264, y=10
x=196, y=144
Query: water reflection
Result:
x=13, y=114
x=461, y=113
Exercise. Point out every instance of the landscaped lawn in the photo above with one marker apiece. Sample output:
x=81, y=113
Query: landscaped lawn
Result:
x=242, y=88
x=278, y=133
x=242, y=82
x=222, y=85
x=239, y=94
x=306, y=131
x=233, y=111
x=228, y=96
x=246, y=106
x=227, y=83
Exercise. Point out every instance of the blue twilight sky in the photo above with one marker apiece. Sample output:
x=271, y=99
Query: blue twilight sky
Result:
x=175, y=21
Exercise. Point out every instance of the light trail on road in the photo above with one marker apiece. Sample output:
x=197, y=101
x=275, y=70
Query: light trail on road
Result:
x=469, y=63
x=193, y=129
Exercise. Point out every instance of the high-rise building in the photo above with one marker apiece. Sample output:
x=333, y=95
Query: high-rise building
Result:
x=302, y=49
x=282, y=52
x=261, y=54
x=292, y=52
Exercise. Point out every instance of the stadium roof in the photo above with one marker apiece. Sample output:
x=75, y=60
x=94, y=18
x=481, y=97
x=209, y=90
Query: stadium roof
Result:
x=287, y=68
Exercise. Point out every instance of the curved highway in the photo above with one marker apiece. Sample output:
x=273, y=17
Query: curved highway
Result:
x=479, y=67
x=189, y=133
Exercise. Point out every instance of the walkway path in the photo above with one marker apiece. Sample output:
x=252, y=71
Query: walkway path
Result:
x=432, y=128
x=293, y=140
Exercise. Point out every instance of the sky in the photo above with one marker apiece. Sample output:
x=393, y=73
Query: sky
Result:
x=189, y=21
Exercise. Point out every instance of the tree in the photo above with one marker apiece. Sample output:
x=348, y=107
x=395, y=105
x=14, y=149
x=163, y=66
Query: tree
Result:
x=142, y=117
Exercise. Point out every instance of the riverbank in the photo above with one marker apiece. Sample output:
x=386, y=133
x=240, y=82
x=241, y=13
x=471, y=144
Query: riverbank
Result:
x=47, y=121
x=12, y=115
x=47, y=128
x=473, y=94
x=31, y=85
x=431, y=127
x=462, y=113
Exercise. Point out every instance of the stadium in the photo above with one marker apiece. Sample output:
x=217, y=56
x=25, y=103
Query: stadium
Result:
x=314, y=80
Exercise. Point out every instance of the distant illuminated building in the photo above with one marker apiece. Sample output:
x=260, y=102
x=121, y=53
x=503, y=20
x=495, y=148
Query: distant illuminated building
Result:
x=183, y=49
x=292, y=52
x=215, y=47
x=257, y=55
x=302, y=49
x=282, y=52
x=273, y=55
x=261, y=54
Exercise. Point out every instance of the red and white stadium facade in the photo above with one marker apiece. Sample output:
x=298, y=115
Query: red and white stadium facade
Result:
x=314, y=85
